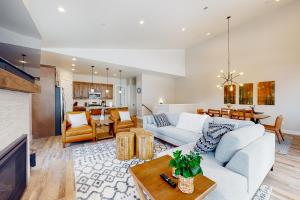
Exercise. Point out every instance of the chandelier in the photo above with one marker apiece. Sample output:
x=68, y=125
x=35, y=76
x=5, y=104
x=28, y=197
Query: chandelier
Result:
x=230, y=76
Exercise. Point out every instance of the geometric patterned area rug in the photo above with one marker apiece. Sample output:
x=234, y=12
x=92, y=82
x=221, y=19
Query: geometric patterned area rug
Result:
x=99, y=175
x=284, y=146
x=263, y=193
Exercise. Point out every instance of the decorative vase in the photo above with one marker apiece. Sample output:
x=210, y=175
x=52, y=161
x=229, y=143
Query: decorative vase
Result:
x=186, y=185
x=173, y=172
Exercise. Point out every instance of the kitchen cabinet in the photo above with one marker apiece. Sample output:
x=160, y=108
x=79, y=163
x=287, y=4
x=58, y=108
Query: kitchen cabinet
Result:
x=81, y=90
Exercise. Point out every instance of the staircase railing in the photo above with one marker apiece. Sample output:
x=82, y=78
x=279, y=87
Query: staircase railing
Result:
x=147, y=108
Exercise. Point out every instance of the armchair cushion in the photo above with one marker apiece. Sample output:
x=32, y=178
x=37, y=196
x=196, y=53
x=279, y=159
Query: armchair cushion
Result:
x=124, y=116
x=78, y=120
x=81, y=130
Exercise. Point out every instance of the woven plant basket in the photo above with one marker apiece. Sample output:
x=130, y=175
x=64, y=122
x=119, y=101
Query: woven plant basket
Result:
x=186, y=185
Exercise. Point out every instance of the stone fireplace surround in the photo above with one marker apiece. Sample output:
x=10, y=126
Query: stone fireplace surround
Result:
x=15, y=119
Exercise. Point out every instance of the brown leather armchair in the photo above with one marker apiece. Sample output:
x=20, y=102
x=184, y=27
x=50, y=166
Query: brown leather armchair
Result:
x=76, y=134
x=120, y=126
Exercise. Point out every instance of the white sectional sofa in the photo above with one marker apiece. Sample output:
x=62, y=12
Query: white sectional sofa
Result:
x=240, y=163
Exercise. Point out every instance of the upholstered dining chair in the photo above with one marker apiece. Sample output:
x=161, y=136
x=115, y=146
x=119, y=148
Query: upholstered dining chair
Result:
x=276, y=128
x=214, y=113
x=200, y=111
x=225, y=112
x=238, y=114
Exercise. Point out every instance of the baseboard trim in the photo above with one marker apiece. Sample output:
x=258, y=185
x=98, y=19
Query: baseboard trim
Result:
x=291, y=132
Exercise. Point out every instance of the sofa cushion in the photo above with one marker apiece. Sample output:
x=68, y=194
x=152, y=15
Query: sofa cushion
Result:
x=209, y=141
x=173, y=118
x=179, y=134
x=161, y=120
x=191, y=122
x=81, y=130
x=239, y=123
x=235, y=140
x=230, y=185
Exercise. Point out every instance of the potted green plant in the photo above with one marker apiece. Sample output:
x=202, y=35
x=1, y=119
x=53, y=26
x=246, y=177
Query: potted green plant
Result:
x=186, y=168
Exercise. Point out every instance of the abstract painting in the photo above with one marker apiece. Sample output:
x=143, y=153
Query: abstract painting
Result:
x=229, y=94
x=266, y=93
x=246, y=94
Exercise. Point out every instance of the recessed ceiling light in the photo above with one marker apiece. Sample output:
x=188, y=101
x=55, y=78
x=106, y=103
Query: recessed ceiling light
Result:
x=73, y=65
x=277, y=0
x=61, y=9
x=114, y=74
x=73, y=69
x=141, y=22
x=183, y=29
x=208, y=34
x=74, y=59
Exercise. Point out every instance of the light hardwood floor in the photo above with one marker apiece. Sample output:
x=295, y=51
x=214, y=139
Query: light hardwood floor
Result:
x=53, y=177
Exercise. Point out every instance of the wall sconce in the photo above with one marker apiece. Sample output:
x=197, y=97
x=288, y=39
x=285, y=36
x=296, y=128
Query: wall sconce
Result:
x=161, y=101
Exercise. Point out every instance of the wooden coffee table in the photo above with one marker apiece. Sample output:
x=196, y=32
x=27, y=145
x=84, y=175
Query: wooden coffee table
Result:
x=147, y=179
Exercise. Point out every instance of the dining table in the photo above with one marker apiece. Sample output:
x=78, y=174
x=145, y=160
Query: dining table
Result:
x=257, y=117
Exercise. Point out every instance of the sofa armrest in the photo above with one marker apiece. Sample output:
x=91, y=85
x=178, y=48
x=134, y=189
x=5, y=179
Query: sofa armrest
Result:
x=255, y=161
x=147, y=120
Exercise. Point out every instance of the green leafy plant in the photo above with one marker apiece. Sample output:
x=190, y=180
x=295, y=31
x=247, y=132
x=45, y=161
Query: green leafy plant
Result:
x=186, y=165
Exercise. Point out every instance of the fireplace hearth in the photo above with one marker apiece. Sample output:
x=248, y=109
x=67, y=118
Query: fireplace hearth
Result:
x=13, y=169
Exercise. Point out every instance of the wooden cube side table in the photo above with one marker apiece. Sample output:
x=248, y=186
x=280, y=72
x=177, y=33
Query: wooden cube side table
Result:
x=144, y=145
x=125, y=145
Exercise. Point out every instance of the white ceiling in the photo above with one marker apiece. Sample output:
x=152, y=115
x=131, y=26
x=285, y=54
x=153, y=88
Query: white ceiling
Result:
x=15, y=17
x=115, y=23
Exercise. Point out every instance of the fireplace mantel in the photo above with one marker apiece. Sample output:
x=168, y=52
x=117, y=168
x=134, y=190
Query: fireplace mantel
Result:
x=10, y=81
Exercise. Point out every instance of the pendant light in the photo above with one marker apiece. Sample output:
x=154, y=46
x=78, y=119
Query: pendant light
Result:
x=23, y=61
x=92, y=88
x=107, y=91
x=230, y=76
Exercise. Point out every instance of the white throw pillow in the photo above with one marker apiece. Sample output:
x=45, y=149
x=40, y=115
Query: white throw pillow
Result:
x=191, y=122
x=124, y=116
x=77, y=120
x=236, y=140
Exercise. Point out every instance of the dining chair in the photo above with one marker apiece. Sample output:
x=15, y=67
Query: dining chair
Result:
x=238, y=114
x=214, y=113
x=276, y=128
x=225, y=112
x=249, y=114
x=200, y=111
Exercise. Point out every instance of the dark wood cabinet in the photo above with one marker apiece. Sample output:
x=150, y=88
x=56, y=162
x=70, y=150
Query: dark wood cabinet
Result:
x=81, y=90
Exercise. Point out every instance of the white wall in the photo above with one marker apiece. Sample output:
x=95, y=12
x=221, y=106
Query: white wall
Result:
x=65, y=79
x=15, y=118
x=139, y=108
x=266, y=49
x=170, y=61
x=156, y=88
